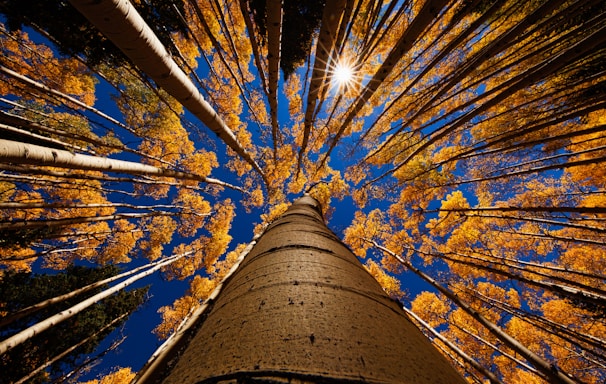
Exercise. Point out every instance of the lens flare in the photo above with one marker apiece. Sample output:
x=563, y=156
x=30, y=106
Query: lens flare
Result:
x=343, y=74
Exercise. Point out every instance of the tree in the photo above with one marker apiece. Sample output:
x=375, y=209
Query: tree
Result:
x=50, y=322
x=149, y=54
x=20, y=290
x=471, y=144
x=341, y=311
x=78, y=36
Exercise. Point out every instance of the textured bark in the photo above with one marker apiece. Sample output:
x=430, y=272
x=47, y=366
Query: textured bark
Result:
x=24, y=153
x=301, y=306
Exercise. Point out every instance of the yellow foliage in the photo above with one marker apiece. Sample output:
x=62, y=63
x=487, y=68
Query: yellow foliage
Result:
x=200, y=163
x=160, y=230
x=119, y=376
x=173, y=315
x=512, y=373
x=429, y=307
x=390, y=284
x=274, y=212
x=446, y=221
x=120, y=243
x=256, y=197
x=194, y=211
x=22, y=259
x=201, y=287
x=38, y=62
x=527, y=334
x=371, y=226
x=220, y=268
x=461, y=325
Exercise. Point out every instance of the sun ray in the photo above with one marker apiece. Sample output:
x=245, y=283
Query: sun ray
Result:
x=344, y=74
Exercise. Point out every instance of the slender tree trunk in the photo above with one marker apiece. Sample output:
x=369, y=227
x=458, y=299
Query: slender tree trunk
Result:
x=51, y=321
x=331, y=18
x=122, y=24
x=24, y=153
x=61, y=298
x=59, y=95
x=301, y=306
x=68, y=351
x=58, y=223
x=466, y=358
x=547, y=370
x=252, y=35
x=275, y=12
x=415, y=29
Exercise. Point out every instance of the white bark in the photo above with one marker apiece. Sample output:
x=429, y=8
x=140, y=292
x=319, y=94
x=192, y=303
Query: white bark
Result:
x=57, y=299
x=120, y=22
x=49, y=91
x=13, y=225
x=468, y=359
x=39, y=138
x=15, y=120
x=66, y=175
x=43, y=325
x=24, y=153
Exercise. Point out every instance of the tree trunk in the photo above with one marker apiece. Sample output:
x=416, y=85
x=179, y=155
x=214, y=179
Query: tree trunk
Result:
x=11, y=317
x=331, y=19
x=275, y=12
x=23, y=153
x=419, y=24
x=547, y=371
x=51, y=321
x=301, y=306
x=122, y=24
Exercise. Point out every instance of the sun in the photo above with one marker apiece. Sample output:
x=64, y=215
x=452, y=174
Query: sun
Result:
x=343, y=74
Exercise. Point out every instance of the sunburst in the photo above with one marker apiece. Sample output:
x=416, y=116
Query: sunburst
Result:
x=343, y=74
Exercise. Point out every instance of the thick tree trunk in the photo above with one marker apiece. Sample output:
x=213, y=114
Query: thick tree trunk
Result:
x=301, y=306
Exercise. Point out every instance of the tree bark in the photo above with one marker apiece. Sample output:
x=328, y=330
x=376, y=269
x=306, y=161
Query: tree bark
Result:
x=24, y=153
x=301, y=306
